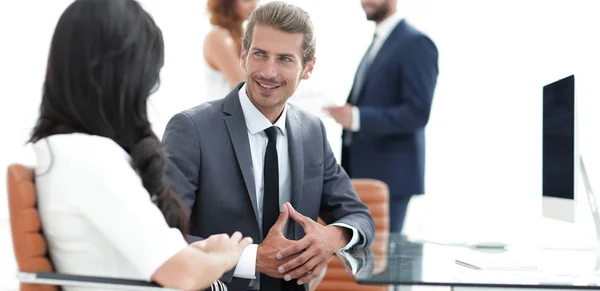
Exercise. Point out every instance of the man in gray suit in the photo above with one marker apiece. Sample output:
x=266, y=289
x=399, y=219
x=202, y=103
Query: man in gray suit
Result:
x=240, y=160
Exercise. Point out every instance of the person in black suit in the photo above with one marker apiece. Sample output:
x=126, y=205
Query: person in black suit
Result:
x=388, y=108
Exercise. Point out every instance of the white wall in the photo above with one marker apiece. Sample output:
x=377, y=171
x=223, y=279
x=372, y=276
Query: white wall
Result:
x=484, y=134
x=495, y=56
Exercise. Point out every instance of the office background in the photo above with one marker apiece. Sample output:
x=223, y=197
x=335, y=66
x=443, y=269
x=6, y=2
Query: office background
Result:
x=484, y=135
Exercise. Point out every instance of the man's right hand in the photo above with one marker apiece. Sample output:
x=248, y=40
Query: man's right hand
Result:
x=266, y=260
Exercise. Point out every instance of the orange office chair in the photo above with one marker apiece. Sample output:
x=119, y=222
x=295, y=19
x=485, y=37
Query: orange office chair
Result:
x=36, y=272
x=375, y=194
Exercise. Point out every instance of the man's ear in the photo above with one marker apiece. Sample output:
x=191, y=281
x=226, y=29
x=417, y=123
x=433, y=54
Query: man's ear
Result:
x=309, y=68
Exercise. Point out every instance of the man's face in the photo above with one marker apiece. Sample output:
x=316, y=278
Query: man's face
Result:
x=376, y=10
x=274, y=67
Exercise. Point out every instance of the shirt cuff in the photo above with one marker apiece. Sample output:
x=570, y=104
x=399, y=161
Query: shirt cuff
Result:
x=355, y=119
x=246, y=266
x=353, y=262
x=355, y=236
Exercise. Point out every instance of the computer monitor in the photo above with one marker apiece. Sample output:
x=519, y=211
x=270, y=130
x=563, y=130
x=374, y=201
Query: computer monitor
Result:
x=560, y=159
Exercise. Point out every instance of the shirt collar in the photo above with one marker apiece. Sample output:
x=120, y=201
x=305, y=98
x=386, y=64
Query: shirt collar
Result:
x=255, y=120
x=385, y=27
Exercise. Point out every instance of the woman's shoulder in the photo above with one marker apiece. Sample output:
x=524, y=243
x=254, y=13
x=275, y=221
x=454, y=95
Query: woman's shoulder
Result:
x=217, y=37
x=218, y=31
x=77, y=148
x=81, y=142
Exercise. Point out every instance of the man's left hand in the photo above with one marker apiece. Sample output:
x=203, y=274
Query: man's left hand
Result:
x=315, y=249
x=342, y=115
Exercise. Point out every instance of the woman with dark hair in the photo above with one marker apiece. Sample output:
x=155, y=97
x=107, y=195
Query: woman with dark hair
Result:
x=223, y=45
x=105, y=202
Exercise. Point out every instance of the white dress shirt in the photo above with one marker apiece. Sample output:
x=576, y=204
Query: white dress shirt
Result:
x=382, y=31
x=256, y=123
x=97, y=217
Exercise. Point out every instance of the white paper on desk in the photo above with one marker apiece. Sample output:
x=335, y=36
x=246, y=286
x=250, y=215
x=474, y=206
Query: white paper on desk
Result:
x=526, y=277
x=530, y=277
x=497, y=262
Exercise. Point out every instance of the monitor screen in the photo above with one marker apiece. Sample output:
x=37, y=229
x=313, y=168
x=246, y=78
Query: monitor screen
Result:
x=559, y=139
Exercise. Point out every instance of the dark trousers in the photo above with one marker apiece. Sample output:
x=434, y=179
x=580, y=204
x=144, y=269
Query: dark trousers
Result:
x=398, y=205
x=398, y=208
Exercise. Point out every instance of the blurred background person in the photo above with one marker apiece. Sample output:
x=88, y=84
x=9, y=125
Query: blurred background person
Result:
x=385, y=115
x=223, y=45
x=104, y=199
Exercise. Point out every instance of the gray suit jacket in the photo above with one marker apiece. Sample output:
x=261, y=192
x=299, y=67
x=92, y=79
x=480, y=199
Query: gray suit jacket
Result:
x=211, y=168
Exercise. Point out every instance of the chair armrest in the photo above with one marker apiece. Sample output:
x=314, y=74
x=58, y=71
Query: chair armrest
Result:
x=57, y=279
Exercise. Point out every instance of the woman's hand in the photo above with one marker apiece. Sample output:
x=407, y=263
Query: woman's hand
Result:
x=224, y=246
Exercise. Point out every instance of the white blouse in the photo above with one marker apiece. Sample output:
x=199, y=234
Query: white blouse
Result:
x=97, y=217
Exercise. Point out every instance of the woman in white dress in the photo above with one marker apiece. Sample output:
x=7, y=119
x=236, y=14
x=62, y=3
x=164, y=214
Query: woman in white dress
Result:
x=105, y=202
x=223, y=45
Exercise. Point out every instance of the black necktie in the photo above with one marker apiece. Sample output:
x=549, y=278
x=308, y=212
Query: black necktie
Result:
x=361, y=73
x=270, y=199
x=271, y=182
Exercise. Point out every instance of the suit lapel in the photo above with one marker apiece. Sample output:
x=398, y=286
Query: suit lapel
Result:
x=296, y=153
x=236, y=126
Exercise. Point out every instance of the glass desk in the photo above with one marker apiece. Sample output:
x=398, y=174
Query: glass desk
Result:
x=395, y=260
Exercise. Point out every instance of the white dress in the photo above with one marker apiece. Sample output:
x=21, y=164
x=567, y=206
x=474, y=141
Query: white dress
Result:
x=97, y=217
x=216, y=84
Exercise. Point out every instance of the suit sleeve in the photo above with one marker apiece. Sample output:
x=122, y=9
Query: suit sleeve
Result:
x=182, y=148
x=340, y=203
x=418, y=78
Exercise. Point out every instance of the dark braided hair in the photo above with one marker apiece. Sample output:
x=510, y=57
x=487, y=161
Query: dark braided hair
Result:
x=104, y=63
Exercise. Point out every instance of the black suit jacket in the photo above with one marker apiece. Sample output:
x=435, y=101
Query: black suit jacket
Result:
x=394, y=104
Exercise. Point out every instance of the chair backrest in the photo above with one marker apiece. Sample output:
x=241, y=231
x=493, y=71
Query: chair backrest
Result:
x=30, y=246
x=375, y=194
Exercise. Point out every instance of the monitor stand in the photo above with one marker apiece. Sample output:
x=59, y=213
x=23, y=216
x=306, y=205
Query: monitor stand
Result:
x=591, y=199
x=593, y=209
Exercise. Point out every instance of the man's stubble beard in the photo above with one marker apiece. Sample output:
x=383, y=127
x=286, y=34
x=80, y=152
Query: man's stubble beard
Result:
x=380, y=13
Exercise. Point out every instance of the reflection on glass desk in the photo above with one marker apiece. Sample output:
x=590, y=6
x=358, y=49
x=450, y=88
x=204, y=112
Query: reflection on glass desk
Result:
x=403, y=262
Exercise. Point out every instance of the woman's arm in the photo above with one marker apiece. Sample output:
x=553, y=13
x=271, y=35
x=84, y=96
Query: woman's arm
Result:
x=211, y=257
x=221, y=52
x=190, y=269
